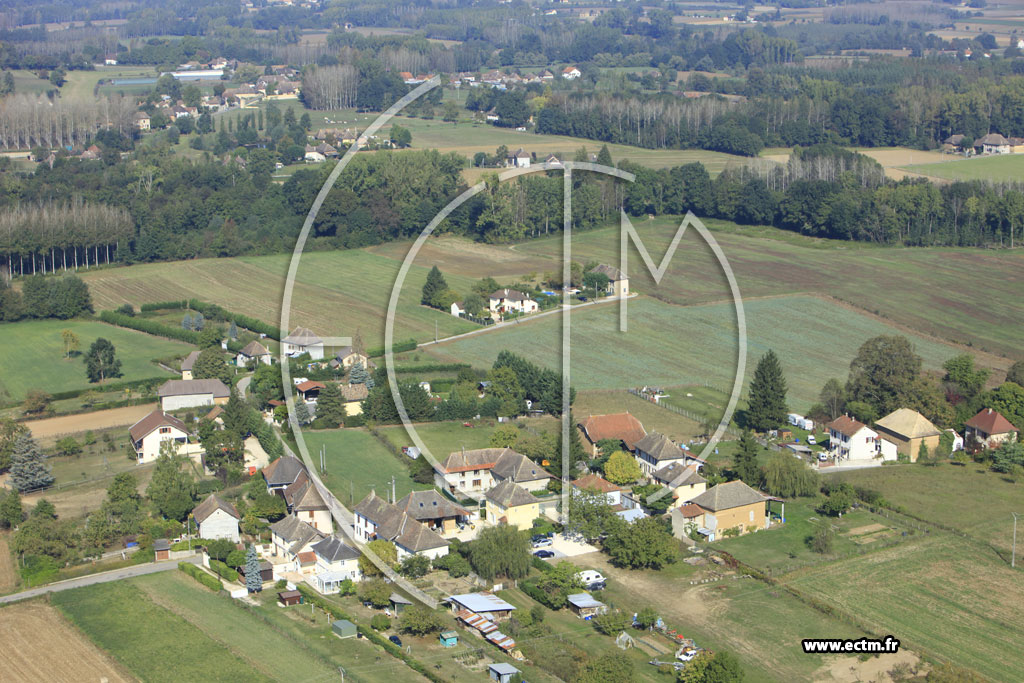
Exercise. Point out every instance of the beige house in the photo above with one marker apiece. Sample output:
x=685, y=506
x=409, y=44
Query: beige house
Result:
x=306, y=503
x=477, y=471
x=908, y=429
x=988, y=429
x=732, y=505
x=684, y=480
x=186, y=365
x=508, y=503
x=177, y=394
x=292, y=541
x=686, y=518
x=336, y=561
x=618, y=282
x=348, y=356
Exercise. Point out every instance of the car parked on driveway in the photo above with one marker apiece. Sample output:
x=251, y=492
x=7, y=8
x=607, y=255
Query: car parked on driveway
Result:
x=543, y=542
x=544, y=554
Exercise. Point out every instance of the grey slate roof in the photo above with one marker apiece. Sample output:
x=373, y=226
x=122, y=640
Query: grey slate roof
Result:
x=726, y=496
x=283, y=471
x=334, y=549
x=190, y=360
x=302, y=336
x=295, y=532
x=518, y=468
x=213, y=503
x=659, y=447
x=254, y=349
x=430, y=504
x=188, y=387
x=397, y=526
x=508, y=494
x=669, y=474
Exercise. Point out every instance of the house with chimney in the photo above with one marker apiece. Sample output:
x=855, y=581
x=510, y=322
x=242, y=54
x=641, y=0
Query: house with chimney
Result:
x=989, y=429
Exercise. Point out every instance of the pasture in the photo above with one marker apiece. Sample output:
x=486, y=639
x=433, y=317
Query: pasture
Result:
x=39, y=645
x=653, y=418
x=996, y=168
x=669, y=344
x=941, y=594
x=986, y=498
x=113, y=615
x=32, y=355
x=28, y=82
x=82, y=84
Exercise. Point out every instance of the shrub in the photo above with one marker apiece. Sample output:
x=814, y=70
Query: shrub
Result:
x=223, y=570
x=380, y=622
x=211, y=582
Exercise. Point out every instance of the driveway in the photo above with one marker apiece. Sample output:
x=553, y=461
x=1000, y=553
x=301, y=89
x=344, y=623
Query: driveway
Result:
x=92, y=579
x=564, y=547
x=243, y=385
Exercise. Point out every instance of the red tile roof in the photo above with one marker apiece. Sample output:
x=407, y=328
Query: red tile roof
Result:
x=593, y=481
x=991, y=422
x=309, y=384
x=622, y=426
x=844, y=424
x=691, y=510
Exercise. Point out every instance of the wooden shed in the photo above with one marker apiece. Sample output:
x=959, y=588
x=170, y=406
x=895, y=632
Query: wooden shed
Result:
x=289, y=598
x=161, y=549
x=585, y=606
x=343, y=628
x=449, y=638
x=398, y=603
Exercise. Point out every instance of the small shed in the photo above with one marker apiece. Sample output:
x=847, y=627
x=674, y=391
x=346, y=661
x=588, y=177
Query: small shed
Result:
x=343, y=628
x=398, y=603
x=266, y=571
x=162, y=549
x=449, y=638
x=289, y=598
x=501, y=672
x=585, y=606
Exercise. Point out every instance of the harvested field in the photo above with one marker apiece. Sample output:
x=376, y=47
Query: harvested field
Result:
x=55, y=427
x=39, y=645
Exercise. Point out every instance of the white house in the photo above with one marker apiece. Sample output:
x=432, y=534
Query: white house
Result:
x=849, y=439
x=511, y=301
x=596, y=483
x=148, y=433
x=458, y=309
x=313, y=155
x=655, y=451
x=292, y=542
x=217, y=518
x=571, y=73
x=253, y=351
x=336, y=561
x=302, y=340
x=479, y=470
x=176, y=394
x=518, y=159
x=375, y=518
x=618, y=282
x=993, y=143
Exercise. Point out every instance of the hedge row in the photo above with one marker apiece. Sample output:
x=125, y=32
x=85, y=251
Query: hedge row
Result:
x=211, y=582
x=397, y=347
x=371, y=635
x=116, y=386
x=223, y=570
x=164, y=306
x=149, y=327
x=431, y=367
x=215, y=312
x=269, y=441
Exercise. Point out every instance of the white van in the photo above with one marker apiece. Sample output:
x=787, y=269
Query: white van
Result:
x=589, y=577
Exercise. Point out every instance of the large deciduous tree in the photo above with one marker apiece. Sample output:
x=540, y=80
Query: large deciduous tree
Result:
x=210, y=364
x=172, y=488
x=645, y=544
x=884, y=373
x=500, y=551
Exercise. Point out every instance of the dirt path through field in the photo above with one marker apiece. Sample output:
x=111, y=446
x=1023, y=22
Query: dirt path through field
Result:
x=53, y=427
x=7, y=575
x=40, y=646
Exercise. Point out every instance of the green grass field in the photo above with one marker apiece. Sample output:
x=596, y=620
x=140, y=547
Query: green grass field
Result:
x=987, y=498
x=28, y=82
x=115, y=615
x=32, y=355
x=668, y=344
x=949, y=597
x=997, y=168
x=80, y=84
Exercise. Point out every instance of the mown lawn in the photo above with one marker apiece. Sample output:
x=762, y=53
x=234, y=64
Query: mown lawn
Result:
x=32, y=355
x=154, y=643
x=997, y=168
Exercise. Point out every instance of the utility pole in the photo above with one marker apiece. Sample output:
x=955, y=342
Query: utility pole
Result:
x=1013, y=548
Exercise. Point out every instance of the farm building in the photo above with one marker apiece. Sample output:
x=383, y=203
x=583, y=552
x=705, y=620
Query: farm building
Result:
x=620, y=426
x=217, y=518
x=501, y=672
x=289, y=598
x=585, y=606
x=266, y=571
x=482, y=603
x=398, y=603
x=988, y=429
x=908, y=429
x=343, y=628
x=176, y=394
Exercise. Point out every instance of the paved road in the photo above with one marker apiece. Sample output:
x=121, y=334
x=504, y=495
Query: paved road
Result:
x=92, y=579
x=243, y=385
x=526, y=319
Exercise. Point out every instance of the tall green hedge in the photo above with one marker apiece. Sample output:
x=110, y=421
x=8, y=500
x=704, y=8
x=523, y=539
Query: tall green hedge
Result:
x=215, y=312
x=149, y=327
x=164, y=306
x=211, y=582
x=397, y=347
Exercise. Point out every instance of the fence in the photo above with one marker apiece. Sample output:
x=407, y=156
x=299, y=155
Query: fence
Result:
x=700, y=419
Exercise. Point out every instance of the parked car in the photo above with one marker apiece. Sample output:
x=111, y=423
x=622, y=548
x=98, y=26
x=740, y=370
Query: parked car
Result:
x=823, y=456
x=396, y=640
x=544, y=554
x=811, y=440
x=542, y=542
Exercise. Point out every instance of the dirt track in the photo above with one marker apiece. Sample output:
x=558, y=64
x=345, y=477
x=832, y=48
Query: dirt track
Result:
x=40, y=646
x=7, y=577
x=53, y=427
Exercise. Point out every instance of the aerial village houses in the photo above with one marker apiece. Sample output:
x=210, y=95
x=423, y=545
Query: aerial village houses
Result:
x=478, y=470
x=518, y=159
x=732, y=505
x=508, y=503
x=336, y=561
x=282, y=473
x=253, y=351
x=302, y=340
x=511, y=301
x=684, y=480
x=908, y=429
x=349, y=356
x=217, y=518
x=306, y=503
x=435, y=511
x=620, y=426
x=989, y=429
x=151, y=431
x=850, y=440
x=177, y=394
x=375, y=518
x=655, y=451
x=292, y=542
x=618, y=282
x=187, y=363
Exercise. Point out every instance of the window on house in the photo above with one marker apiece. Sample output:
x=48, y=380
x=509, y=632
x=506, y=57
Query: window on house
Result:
x=751, y=515
x=165, y=430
